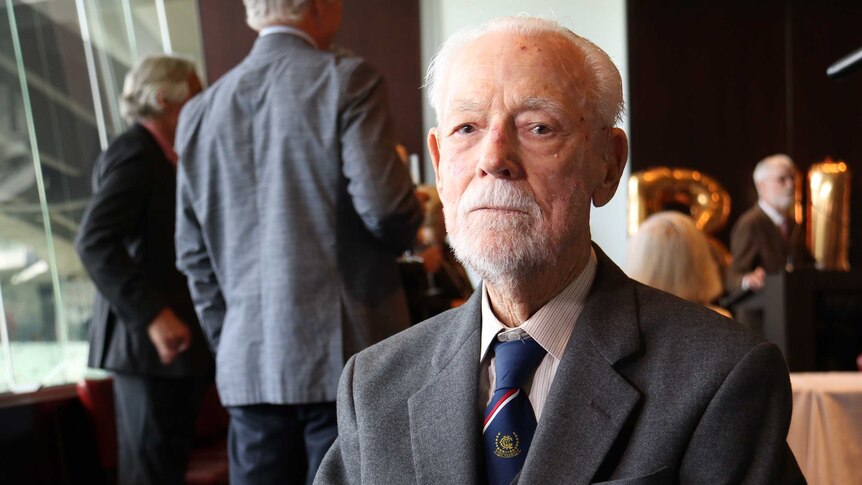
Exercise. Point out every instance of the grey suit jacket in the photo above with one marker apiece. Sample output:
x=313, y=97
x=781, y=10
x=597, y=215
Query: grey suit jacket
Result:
x=292, y=207
x=650, y=389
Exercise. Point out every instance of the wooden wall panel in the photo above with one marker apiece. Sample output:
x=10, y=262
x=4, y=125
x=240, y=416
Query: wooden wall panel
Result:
x=827, y=113
x=717, y=85
x=385, y=32
x=225, y=36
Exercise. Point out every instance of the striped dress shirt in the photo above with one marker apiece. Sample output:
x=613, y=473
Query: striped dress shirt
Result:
x=551, y=326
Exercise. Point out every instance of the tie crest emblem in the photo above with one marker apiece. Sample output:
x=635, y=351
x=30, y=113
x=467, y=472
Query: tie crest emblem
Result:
x=507, y=446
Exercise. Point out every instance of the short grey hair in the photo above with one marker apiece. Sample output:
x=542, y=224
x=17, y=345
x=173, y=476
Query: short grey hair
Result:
x=261, y=13
x=152, y=75
x=763, y=167
x=605, y=87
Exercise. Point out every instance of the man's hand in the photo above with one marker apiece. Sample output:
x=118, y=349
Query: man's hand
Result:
x=170, y=335
x=755, y=280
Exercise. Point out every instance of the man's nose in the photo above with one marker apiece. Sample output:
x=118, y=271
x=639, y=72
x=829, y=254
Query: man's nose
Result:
x=497, y=155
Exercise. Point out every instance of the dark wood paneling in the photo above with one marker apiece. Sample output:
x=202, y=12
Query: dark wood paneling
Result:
x=827, y=113
x=225, y=36
x=707, y=89
x=717, y=85
x=385, y=32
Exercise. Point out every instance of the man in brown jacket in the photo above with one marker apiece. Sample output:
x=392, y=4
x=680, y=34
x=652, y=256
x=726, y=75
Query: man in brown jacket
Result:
x=767, y=238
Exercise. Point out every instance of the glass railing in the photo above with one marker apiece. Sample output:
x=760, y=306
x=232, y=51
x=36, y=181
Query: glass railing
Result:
x=62, y=64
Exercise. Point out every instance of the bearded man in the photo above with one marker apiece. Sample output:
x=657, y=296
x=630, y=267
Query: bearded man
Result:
x=766, y=238
x=559, y=369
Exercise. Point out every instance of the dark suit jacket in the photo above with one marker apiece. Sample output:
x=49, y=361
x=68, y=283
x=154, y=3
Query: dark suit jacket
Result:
x=126, y=243
x=651, y=389
x=756, y=241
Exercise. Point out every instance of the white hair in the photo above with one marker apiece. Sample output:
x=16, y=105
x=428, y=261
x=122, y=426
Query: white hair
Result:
x=261, y=13
x=765, y=166
x=605, y=87
x=167, y=75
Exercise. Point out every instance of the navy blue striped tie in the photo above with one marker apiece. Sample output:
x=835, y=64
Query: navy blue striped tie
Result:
x=509, y=419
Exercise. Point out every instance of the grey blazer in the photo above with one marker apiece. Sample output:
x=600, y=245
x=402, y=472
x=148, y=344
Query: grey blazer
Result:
x=292, y=207
x=651, y=389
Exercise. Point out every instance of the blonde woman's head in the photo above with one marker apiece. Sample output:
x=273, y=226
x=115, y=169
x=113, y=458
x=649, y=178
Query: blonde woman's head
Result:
x=670, y=253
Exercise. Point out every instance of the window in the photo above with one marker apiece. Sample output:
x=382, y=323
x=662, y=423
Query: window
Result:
x=62, y=64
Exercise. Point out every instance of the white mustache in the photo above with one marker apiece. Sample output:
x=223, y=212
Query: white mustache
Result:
x=499, y=195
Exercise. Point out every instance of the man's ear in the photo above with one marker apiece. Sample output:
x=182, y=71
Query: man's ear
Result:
x=614, y=162
x=434, y=150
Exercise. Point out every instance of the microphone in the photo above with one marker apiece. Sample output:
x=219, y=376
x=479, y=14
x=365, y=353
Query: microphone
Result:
x=845, y=65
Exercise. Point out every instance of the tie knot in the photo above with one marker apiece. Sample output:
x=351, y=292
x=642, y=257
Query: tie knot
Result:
x=516, y=361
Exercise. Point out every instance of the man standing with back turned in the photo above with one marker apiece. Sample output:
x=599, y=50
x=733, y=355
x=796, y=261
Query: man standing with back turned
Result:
x=559, y=369
x=292, y=207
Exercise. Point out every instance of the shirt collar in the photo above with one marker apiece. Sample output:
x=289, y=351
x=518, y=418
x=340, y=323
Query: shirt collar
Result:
x=551, y=326
x=776, y=217
x=287, y=29
x=163, y=142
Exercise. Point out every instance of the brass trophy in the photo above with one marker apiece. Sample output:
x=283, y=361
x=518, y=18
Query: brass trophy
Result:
x=661, y=188
x=829, y=214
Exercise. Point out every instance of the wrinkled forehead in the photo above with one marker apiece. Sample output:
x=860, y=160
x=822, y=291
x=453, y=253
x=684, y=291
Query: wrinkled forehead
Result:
x=541, y=66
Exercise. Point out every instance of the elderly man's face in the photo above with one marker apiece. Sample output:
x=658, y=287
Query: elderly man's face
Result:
x=778, y=187
x=519, y=156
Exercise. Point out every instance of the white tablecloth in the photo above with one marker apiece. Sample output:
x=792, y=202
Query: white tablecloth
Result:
x=826, y=429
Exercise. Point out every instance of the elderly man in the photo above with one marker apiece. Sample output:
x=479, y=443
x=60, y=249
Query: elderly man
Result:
x=766, y=238
x=144, y=327
x=293, y=208
x=560, y=369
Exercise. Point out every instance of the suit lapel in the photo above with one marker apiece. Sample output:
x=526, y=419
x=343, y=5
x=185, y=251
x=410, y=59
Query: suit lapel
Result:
x=589, y=402
x=444, y=417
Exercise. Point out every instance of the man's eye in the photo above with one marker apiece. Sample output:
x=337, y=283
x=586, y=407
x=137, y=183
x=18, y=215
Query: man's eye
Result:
x=540, y=130
x=465, y=129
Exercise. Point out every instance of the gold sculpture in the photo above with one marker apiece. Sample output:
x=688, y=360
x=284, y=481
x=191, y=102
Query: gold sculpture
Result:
x=829, y=214
x=661, y=188
x=655, y=189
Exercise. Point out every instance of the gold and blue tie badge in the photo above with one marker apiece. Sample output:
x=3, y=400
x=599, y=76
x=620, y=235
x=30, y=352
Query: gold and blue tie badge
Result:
x=507, y=446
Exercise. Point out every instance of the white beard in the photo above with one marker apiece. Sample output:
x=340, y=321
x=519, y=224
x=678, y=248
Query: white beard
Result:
x=784, y=201
x=503, y=248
